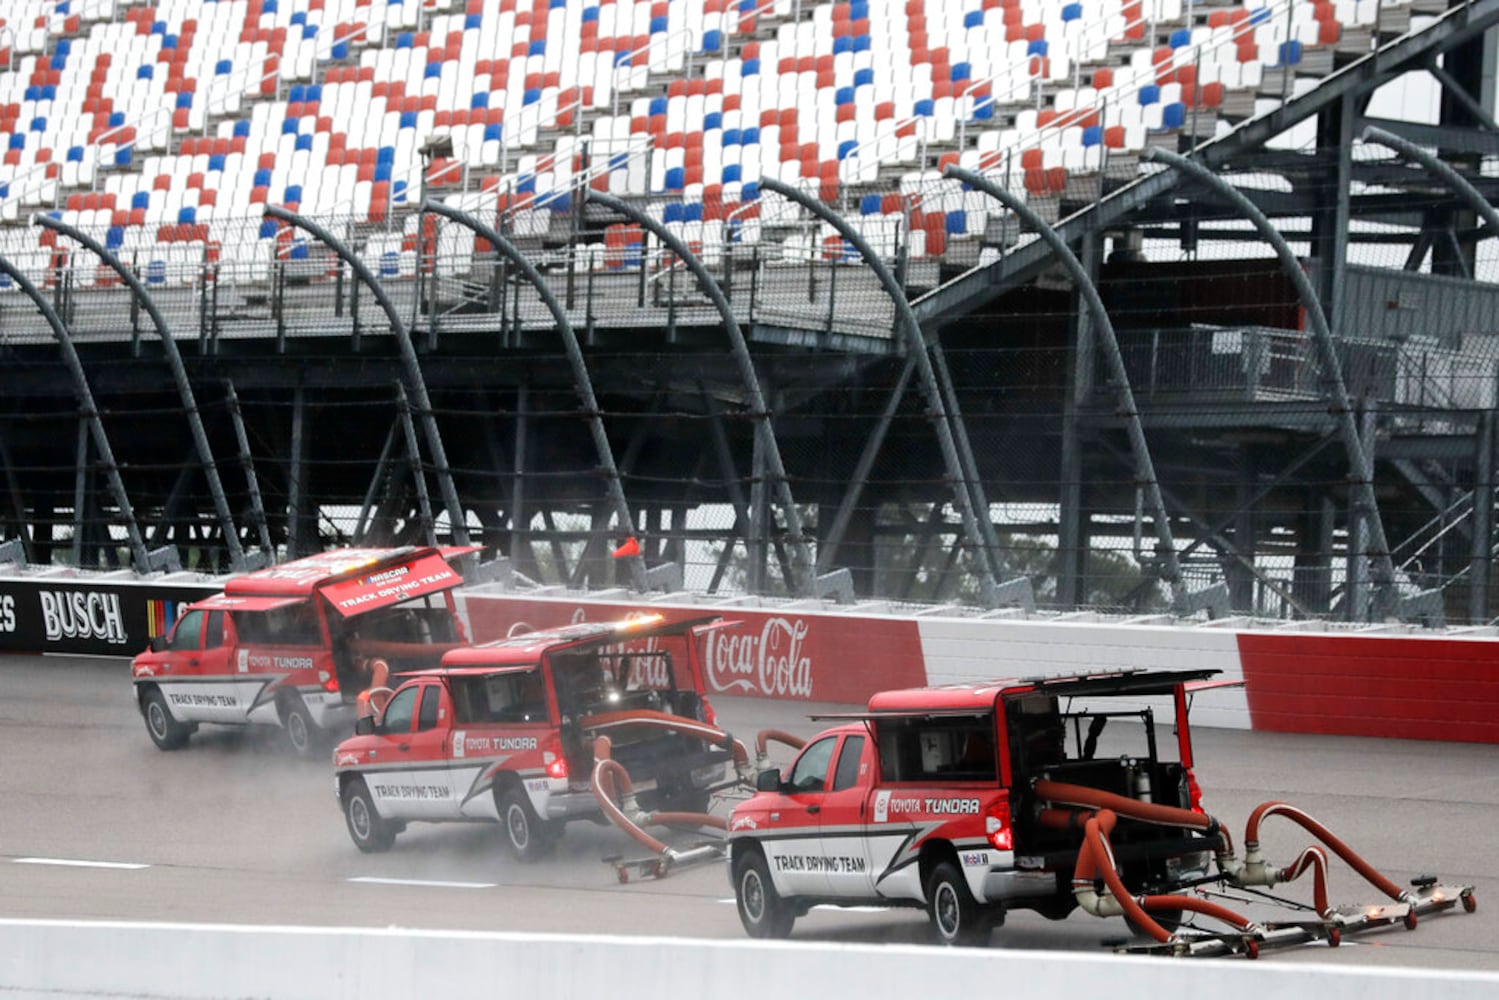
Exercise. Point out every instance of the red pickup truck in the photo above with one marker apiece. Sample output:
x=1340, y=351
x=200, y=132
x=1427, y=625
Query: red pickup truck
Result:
x=504, y=731
x=291, y=645
x=928, y=799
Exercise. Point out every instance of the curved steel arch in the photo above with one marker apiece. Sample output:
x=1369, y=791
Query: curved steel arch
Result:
x=575, y=359
x=1382, y=569
x=90, y=410
x=179, y=375
x=952, y=437
x=801, y=558
x=1144, y=466
x=415, y=384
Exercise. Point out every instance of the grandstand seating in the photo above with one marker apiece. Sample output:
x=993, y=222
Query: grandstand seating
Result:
x=163, y=127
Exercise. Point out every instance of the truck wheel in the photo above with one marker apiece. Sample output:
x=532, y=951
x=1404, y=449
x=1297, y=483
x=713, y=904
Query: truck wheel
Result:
x=166, y=732
x=762, y=911
x=529, y=836
x=301, y=732
x=370, y=833
x=956, y=917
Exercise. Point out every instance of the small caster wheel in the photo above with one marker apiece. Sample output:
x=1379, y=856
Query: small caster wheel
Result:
x=1251, y=949
x=1469, y=903
x=1334, y=937
x=1410, y=920
x=622, y=875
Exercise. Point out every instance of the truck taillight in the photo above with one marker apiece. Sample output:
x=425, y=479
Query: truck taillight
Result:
x=1194, y=794
x=329, y=681
x=709, y=716
x=556, y=767
x=997, y=825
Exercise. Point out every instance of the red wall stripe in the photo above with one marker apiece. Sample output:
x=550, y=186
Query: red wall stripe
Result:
x=1405, y=688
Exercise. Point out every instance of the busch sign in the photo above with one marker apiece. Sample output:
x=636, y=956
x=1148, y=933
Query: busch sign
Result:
x=75, y=614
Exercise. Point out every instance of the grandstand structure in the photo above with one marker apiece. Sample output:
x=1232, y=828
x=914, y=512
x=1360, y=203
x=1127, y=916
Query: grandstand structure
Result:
x=1137, y=304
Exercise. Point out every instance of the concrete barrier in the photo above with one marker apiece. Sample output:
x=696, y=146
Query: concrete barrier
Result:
x=62, y=958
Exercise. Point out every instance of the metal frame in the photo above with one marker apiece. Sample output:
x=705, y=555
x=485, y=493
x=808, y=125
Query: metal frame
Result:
x=179, y=375
x=411, y=367
x=802, y=584
x=581, y=379
x=1145, y=475
x=89, y=411
x=1359, y=455
x=936, y=383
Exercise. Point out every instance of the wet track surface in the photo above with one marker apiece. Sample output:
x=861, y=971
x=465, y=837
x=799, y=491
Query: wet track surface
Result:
x=234, y=829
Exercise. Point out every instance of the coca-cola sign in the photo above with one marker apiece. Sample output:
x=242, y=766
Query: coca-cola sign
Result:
x=828, y=656
x=772, y=662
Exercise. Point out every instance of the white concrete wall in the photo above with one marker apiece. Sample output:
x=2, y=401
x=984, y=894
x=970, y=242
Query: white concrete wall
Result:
x=184, y=960
x=966, y=650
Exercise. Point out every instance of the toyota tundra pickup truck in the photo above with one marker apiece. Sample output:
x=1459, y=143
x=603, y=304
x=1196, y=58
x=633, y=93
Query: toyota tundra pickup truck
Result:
x=929, y=799
x=505, y=732
x=293, y=645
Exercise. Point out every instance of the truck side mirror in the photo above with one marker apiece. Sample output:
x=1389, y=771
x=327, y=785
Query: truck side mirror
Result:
x=364, y=726
x=768, y=780
x=158, y=644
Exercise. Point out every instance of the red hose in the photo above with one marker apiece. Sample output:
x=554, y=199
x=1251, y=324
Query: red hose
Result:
x=1196, y=905
x=610, y=771
x=764, y=736
x=1316, y=860
x=1096, y=860
x=656, y=720
x=687, y=819
x=1148, y=812
x=1371, y=875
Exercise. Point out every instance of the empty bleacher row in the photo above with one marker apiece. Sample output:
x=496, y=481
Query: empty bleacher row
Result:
x=163, y=127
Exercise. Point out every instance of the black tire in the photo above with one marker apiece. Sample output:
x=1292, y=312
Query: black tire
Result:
x=529, y=837
x=955, y=915
x=302, y=734
x=370, y=833
x=166, y=732
x=762, y=911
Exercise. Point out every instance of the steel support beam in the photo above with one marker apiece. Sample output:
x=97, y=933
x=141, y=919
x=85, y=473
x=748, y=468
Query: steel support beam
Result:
x=89, y=410
x=416, y=385
x=1381, y=569
x=1482, y=493
x=801, y=583
x=614, y=486
x=179, y=375
x=242, y=439
x=1145, y=476
x=1481, y=559
x=941, y=399
x=414, y=456
x=827, y=553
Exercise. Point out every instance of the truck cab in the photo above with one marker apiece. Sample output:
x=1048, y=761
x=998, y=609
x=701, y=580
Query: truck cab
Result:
x=293, y=645
x=928, y=799
x=504, y=732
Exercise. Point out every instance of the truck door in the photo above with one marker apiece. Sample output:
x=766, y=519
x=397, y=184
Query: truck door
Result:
x=412, y=780
x=845, y=820
x=793, y=843
x=195, y=675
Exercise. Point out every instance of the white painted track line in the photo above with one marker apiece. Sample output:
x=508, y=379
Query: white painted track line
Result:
x=426, y=883
x=79, y=863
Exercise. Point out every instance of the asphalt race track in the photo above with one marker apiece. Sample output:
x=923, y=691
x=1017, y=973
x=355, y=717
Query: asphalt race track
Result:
x=236, y=830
